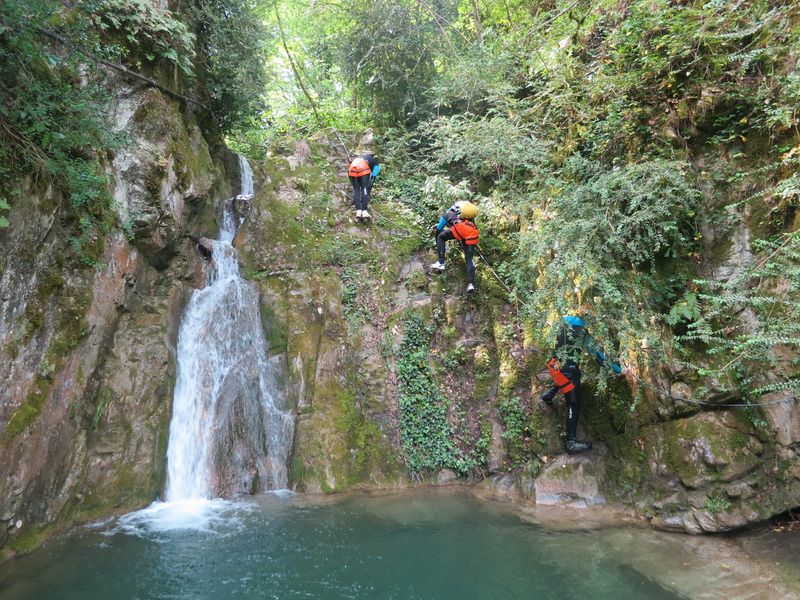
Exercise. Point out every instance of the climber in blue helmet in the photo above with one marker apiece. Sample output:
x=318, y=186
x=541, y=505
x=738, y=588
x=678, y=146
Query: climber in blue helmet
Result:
x=572, y=340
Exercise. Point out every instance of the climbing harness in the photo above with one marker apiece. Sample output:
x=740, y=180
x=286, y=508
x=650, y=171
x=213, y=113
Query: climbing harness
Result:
x=564, y=384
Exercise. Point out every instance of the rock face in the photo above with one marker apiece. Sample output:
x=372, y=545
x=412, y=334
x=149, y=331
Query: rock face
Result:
x=88, y=369
x=337, y=295
x=571, y=480
x=88, y=384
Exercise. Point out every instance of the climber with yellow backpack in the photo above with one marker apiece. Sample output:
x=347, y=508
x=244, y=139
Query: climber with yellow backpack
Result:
x=458, y=223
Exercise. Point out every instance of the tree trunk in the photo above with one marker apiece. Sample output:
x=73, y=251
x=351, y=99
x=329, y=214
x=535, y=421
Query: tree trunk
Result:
x=294, y=68
x=477, y=16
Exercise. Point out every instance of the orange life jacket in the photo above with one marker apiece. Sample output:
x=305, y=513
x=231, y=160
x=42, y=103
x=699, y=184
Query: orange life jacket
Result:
x=561, y=380
x=359, y=167
x=465, y=231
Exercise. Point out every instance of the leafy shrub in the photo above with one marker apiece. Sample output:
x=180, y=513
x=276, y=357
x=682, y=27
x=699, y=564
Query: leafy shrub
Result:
x=425, y=432
x=51, y=125
x=750, y=322
x=388, y=54
x=141, y=30
x=493, y=146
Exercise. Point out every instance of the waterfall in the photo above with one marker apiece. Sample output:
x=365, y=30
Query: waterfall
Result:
x=246, y=174
x=233, y=211
x=230, y=433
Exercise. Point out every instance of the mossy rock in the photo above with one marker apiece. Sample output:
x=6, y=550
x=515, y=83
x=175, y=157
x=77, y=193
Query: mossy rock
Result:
x=709, y=448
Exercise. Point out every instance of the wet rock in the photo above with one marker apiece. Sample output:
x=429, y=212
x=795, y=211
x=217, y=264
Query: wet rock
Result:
x=740, y=490
x=445, y=476
x=682, y=396
x=503, y=485
x=496, y=453
x=783, y=417
x=420, y=300
x=683, y=522
x=302, y=151
x=703, y=448
x=672, y=500
x=205, y=248
x=165, y=166
x=698, y=499
x=572, y=480
x=526, y=485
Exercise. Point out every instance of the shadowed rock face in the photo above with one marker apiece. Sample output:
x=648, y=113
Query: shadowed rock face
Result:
x=85, y=393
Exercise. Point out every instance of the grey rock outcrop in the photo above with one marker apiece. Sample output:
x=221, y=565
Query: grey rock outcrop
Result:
x=88, y=380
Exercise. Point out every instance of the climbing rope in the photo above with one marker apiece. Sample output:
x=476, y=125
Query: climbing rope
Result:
x=663, y=394
x=493, y=272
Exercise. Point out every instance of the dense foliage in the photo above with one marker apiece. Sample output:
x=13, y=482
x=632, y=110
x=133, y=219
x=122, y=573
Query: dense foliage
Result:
x=612, y=146
x=54, y=108
x=233, y=45
x=427, y=436
x=614, y=149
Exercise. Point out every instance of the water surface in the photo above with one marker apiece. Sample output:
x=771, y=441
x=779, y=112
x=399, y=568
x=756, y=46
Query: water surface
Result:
x=423, y=544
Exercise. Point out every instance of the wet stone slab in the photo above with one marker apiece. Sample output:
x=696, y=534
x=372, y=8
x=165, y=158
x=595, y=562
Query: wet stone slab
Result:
x=571, y=481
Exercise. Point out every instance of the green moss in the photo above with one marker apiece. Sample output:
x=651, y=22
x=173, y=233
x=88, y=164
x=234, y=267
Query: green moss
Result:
x=154, y=177
x=277, y=332
x=28, y=541
x=153, y=113
x=50, y=282
x=104, y=397
x=24, y=416
x=417, y=281
x=72, y=324
x=368, y=452
x=189, y=162
x=484, y=373
x=298, y=470
x=74, y=305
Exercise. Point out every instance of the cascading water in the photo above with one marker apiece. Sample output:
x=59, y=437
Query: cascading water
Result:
x=232, y=211
x=229, y=433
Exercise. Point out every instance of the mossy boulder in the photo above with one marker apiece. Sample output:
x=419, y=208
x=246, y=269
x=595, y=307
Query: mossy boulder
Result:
x=709, y=447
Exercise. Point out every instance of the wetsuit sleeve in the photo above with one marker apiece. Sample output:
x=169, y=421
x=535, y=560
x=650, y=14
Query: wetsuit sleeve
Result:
x=440, y=225
x=375, y=171
x=598, y=355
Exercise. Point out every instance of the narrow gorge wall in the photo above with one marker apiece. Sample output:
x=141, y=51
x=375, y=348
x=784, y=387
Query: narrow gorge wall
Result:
x=88, y=369
x=337, y=296
x=89, y=379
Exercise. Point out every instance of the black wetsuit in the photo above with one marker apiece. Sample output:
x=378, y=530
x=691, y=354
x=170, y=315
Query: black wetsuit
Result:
x=571, y=342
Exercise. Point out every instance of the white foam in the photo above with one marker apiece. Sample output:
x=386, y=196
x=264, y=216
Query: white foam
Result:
x=209, y=516
x=282, y=493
